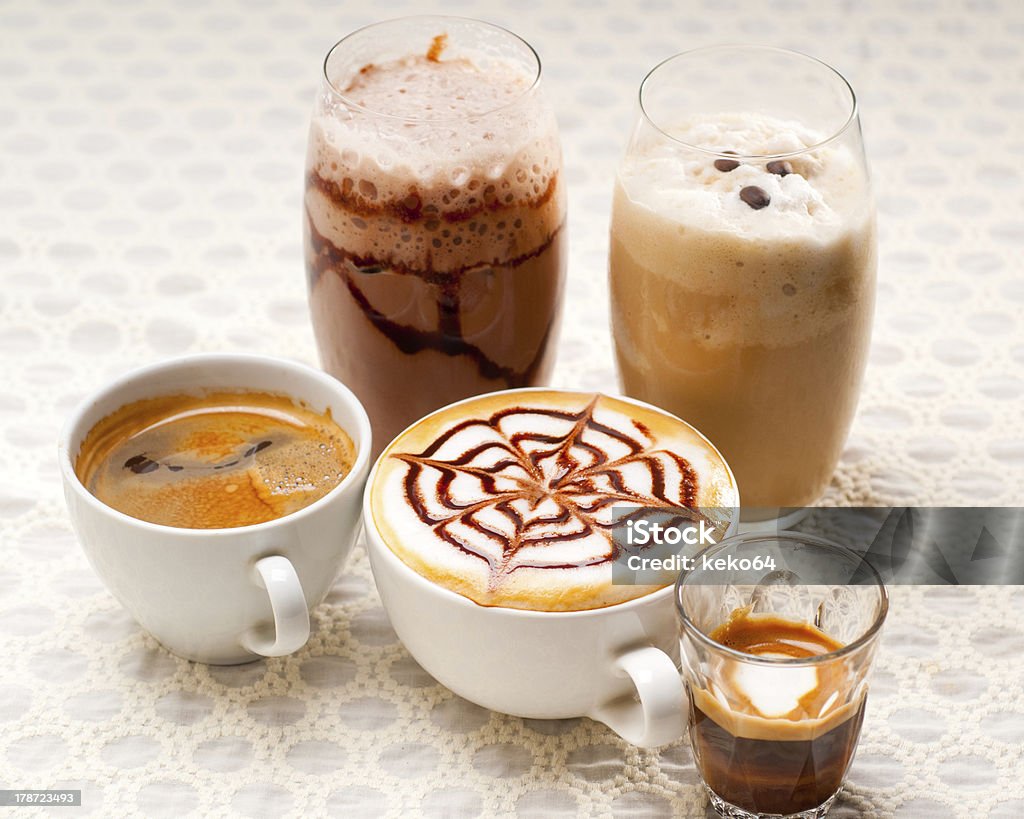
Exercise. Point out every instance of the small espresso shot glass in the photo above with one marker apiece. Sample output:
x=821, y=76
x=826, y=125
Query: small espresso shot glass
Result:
x=777, y=638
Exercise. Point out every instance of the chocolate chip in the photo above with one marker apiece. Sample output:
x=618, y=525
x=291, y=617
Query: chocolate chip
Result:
x=779, y=167
x=726, y=165
x=756, y=197
x=175, y=468
x=225, y=466
x=140, y=464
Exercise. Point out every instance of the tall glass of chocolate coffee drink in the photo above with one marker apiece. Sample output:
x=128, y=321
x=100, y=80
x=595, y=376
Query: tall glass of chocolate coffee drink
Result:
x=434, y=217
x=742, y=262
x=777, y=638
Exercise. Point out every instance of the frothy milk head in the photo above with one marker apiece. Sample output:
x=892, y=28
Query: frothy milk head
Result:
x=210, y=461
x=509, y=498
x=434, y=86
x=773, y=251
x=436, y=115
x=805, y=195
x=439, y=158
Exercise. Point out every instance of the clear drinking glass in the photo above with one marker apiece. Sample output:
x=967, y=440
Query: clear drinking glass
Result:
x=742, y=262
x=774, y=734
x=434, y=217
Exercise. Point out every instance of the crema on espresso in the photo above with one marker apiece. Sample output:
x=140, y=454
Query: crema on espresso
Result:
x=212, y=461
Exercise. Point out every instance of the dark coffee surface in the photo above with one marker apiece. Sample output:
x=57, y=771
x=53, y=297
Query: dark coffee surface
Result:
x=219, y=460
x=774, y=776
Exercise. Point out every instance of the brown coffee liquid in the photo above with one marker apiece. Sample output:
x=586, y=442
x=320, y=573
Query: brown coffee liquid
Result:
x=219, y=460
x=791, y=762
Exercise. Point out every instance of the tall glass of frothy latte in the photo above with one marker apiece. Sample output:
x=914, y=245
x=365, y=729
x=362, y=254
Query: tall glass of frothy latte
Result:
x=742, y=264
x=434, y=217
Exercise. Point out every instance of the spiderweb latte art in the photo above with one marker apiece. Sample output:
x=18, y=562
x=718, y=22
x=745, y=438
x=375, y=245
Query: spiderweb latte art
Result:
x=513, y=502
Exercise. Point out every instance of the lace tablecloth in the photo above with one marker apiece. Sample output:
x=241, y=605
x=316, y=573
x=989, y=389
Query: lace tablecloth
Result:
x=150, y=186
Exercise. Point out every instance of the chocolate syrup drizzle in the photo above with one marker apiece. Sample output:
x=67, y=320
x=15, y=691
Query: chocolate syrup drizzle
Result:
x=582, y=470
x=447, y=338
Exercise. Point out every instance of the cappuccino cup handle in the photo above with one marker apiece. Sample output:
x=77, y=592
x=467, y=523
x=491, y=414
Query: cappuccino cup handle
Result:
x=291, y=617
x=658, y=718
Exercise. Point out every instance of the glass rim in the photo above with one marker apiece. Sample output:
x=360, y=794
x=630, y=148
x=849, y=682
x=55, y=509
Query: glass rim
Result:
x=350, y=103
x=819, y=659
x=850, y=120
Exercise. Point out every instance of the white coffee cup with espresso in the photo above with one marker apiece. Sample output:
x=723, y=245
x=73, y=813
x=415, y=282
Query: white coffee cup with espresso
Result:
x=223, y=595
x=535, y=626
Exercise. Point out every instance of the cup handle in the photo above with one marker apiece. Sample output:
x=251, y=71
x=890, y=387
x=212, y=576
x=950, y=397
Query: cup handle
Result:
x=291, y=617
x=657, y=719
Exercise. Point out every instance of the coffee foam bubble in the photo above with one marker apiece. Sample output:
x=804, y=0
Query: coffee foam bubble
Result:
x=450, y=150
x=684, y=186
x=506, y=499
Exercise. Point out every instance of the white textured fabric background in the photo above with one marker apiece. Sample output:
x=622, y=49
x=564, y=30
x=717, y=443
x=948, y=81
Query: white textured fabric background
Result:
x=150, y=187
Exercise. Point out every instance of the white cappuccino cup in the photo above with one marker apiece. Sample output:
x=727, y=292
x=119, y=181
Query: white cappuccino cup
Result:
x=618, y=664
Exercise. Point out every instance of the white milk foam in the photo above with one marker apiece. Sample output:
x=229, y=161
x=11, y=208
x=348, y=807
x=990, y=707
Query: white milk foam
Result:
x=680, y=231
x=774, y=692
x=469, y=124
x=508, y=551
x=684, y=187
x=483, y=186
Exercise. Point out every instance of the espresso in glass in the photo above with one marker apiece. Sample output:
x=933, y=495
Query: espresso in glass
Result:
x=434, y=217
x=788, y=762
x=778, y=634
